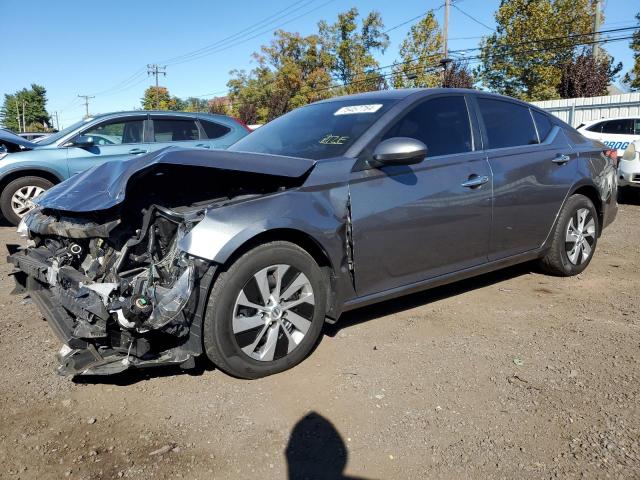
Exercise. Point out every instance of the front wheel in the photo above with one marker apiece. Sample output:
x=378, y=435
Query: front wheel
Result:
x=265, y=312
x=17, y=197
x=575, y=237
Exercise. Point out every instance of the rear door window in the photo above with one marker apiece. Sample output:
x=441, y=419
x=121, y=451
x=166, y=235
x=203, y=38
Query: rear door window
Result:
x=543, y=124
x=507, y=124
x=442, y=124
x=621, y=126
x=175, y=130
x=596, y=127
x=213, y=129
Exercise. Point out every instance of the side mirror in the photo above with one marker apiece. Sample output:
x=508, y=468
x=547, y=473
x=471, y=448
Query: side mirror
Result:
x=399, y=151
x=83, y=141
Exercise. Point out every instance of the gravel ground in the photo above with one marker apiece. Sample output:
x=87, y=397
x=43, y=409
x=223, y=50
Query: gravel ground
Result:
x=510, y=375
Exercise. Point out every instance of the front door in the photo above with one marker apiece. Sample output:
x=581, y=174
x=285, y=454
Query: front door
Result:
x=412, y=223
x=113, y=140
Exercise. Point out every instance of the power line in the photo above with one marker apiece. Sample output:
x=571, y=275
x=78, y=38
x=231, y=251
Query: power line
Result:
x=244, y=40
x=472, y=17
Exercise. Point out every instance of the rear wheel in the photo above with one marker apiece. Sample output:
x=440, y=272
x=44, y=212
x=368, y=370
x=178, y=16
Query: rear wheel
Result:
x=265, y=313
x=574, y=238
x=17, y=197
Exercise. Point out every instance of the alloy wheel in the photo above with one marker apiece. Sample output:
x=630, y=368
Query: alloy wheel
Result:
x=22, y=199
x=273, y=312
x=580, y=236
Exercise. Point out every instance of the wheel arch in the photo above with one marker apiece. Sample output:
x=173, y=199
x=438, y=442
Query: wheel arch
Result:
x=301, y=239
x=28, y=172
x=591, y=192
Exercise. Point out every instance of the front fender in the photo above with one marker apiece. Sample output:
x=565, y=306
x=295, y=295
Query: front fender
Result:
x=322, y=215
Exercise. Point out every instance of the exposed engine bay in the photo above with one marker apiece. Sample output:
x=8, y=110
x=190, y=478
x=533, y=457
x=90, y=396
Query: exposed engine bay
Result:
x=114, y=284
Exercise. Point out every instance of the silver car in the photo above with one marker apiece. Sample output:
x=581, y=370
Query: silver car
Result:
x=242, y=255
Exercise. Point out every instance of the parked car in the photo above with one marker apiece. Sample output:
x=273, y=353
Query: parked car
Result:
x=243, y=254
x=629, y=168
x=27, y=169
x=617, y=132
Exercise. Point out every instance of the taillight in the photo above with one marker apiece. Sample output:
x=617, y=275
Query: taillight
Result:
x=242, y=123
x=613, y=155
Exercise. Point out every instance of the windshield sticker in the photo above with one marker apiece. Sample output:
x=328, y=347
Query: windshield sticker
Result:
x=356, y=109
x=331, y=139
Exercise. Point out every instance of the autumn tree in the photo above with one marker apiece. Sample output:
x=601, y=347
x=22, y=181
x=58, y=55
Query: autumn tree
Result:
x=457, y=75
x=352, y=47
x=195, y=104
x=587, y=76
x=26, y=110
x=420, y=53
x=291, y=71
x=219, y=105
x=632, y=78
x=160, y=99
x=534, y=39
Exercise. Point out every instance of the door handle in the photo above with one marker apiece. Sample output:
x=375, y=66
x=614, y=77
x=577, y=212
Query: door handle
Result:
x=203, y=145
x=561, y=159
x=475, y=181
x=137, y=151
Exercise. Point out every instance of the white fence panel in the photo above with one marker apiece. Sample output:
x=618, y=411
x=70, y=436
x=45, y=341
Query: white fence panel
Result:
x=576, y=111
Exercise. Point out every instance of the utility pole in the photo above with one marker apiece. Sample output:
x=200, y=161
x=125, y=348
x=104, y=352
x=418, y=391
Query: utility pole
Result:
x=597, y=19
x=445, y=40
x=153, y=69
x=55, y=114
x=18, y=115
x=86, y=103
x=24, y=124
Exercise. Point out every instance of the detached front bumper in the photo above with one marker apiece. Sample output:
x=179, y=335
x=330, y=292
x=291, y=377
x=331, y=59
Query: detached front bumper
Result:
x=93, y=341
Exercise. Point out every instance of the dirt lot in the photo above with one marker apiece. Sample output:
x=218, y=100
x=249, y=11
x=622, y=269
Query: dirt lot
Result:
x=510, y=375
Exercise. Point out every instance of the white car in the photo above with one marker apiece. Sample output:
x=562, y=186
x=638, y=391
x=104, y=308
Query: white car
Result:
x=629, y=166
x=616, y=133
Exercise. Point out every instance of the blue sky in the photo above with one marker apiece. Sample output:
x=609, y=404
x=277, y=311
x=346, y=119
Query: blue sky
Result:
x=102, y=49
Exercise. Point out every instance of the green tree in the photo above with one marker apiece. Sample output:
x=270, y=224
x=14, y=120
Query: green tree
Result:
x=219, y=105
x=26, y=110
x=519, y=59
x=195, y=104
x=632, y=78
x=291, y=71
x=160, y=99
x=420, y=52
x=352, y=47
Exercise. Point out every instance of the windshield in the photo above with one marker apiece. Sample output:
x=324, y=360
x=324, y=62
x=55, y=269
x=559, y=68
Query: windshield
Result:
x=57, y=136
x=320, y=130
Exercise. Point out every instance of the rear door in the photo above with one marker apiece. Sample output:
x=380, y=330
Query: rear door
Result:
x=415, y=222
x=174, y=130
x=533, y=168
x=114, y=140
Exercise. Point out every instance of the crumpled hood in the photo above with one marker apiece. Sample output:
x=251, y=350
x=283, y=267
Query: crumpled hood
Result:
x=10, y=137
x=104, y=186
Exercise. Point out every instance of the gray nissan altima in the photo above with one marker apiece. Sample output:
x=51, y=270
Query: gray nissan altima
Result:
x=242, y=255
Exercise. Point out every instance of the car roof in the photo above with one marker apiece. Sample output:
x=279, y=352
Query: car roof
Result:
x=604, y=119
x=403, y=93
x=160, y=112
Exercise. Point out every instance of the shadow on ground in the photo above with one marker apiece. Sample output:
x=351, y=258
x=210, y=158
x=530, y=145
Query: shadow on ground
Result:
x=316, y=450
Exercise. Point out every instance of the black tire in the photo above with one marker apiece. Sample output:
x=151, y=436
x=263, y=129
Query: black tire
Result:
x=556, y=261
x=223, y=347
x=12, y=188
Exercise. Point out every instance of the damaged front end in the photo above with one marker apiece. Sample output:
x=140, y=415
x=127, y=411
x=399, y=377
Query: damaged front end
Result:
x=104, y=263
x=115, y=302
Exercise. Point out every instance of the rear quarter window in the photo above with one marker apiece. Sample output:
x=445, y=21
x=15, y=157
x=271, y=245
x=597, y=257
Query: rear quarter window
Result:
x=213, y=129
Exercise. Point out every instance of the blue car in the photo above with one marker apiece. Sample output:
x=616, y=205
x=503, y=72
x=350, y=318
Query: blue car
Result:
x=27, y=169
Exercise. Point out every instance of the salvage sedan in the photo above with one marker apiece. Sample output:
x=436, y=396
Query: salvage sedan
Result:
x=243, y=254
